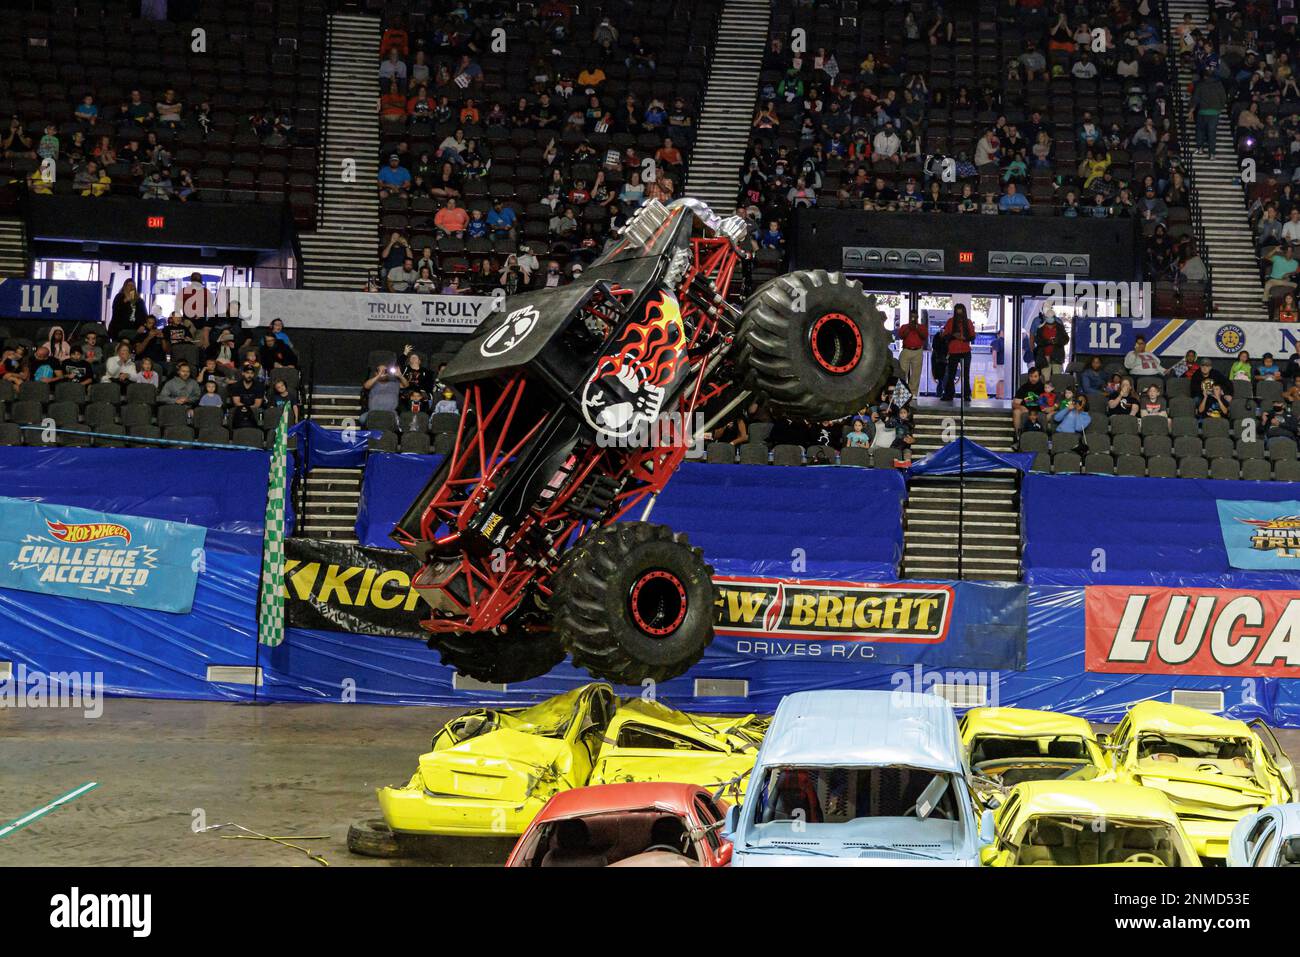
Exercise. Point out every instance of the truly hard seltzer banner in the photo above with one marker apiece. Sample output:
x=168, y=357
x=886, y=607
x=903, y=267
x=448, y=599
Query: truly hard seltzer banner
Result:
x=97, y=556
x=377, y=311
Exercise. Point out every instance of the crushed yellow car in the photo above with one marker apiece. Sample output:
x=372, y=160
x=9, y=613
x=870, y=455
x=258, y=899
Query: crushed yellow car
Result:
x=491, y=770
x=1006, y=746
x=1087, y=824
x=1214, y=770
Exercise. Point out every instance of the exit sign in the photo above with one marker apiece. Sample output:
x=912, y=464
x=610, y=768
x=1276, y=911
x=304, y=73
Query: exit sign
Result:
x=156, y=222
x=965, y=257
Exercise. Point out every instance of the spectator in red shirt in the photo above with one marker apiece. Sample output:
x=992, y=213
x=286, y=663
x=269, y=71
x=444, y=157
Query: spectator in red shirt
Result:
x=912, y=334
x=960, y=332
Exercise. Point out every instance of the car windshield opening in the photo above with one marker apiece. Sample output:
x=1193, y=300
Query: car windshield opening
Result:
x=836, y=795
x=1073, y=840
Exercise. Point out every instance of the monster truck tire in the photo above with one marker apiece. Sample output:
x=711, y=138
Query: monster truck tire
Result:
x=634, y=601
x=500, y=659
x=809, y=345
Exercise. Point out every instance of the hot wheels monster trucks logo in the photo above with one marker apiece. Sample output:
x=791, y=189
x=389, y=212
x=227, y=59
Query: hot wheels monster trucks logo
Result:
x=628, y=387
x=510, y=333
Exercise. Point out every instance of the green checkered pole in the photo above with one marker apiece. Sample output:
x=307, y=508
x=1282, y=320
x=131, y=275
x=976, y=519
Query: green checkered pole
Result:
x=270, y=611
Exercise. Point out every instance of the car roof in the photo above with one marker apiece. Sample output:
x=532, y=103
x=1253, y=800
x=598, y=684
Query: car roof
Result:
x=846, y=728
x=1092, y=798
x=1180, y=719
x=1290, y=816
x=628, y=796
x=1025, y=721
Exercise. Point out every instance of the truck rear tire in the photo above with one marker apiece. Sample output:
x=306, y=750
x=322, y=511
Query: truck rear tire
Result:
x=514, y=656
x=809, y=344
x=634, y=601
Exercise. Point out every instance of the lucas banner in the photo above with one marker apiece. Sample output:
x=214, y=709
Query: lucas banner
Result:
x=97, y=556
x=374, y=311
x=1261, y=534
x=1193, y=631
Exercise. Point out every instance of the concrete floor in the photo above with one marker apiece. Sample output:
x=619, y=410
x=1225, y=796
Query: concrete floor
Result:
x=280, y=769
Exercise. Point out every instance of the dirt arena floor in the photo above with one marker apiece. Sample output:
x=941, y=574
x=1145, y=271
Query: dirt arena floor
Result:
x=163, y=765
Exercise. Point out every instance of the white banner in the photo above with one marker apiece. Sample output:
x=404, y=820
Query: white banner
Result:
x=386, y=311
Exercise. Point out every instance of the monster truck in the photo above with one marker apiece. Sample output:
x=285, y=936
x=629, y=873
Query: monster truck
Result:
x=580, y=401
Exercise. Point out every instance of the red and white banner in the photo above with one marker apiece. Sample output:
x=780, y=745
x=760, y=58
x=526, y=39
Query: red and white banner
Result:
x=1193, y=631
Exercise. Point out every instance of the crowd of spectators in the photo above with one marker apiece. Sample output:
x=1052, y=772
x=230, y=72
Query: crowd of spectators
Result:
x=1042, y=109
x=197, y=375
x=1244, y=60
x=509, y=168
x=101, y=118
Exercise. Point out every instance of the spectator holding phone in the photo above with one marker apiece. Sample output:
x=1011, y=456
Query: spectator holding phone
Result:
x=383, y=390
x=1073, y=418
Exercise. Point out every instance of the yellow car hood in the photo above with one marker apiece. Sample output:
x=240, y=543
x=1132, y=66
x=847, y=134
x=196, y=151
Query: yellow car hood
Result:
x=1211, y=794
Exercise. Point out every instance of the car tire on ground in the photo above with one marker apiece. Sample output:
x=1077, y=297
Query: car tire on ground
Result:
x=374, y=838
x=634, y=601
x=809, y=343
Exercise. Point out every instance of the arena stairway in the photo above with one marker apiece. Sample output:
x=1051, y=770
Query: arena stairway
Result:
x=341, y=252
x=986, y=507
x=13, y=247
x=331, y=495
x=728, y=108
x=1229, y=243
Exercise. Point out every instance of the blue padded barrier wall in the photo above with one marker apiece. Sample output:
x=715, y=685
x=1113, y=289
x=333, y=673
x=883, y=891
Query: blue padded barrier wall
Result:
x=1149, y=531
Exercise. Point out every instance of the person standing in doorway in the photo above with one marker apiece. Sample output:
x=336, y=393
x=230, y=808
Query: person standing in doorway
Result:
x=960, y=332
x=912, y=335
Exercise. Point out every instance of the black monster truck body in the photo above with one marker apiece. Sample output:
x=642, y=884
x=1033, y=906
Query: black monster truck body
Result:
x=580, y=402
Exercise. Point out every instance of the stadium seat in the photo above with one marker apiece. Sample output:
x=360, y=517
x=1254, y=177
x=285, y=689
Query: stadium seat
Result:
x=1066, y=462
x=1220, y=447
x=883, y=458
x=1186, y=445
x=1042, y=462
x=1280, y=449
x=1222, y=468
x=36, y=392
x=1193, y=467
x=1033, y=442
x=136, y=414
x=1099, y=463
x=1154, y=425
x=720, y=452
x=1184, y=425
x=850, y=455
x=249, y=436
x=1162, y=466
x=70, y=392
x=178, y=433
x=172, y=415
x=1130, y=444
x=1256, y=470
x=1130, y=465
x=756, y=453
x=1287, y=470
x=213, y=435
x=1250, y=450
x=787, y=455
x=820, y=454
x=385, y=441
x=208, y=417
x=381, y=421
x=26, y=412
x=143, y=432
x=1216, y=428
x=1125, y=425
x=109, y=392
x=1065, y=441
x=417, y=442
x=63, y=413
x=142, y=392
x=10, y=434
x=441, y=422
x=112, y=436
x=408, y=421
x=1157, y=445
x=443, y=443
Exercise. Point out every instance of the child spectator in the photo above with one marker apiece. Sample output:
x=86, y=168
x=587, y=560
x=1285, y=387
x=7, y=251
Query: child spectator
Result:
x=1241, y=370
x=145, y=373
x=1153, y=403
x=211, y=397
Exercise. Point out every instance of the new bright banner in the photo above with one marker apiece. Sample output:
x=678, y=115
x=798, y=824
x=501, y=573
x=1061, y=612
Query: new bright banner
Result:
x=367, y=591
x=1193, y=631
x=1261, y=534
x=78, y=553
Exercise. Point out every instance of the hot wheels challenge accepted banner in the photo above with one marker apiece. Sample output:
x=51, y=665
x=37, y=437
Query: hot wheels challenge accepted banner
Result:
x=97, y=556
x=1193, y=631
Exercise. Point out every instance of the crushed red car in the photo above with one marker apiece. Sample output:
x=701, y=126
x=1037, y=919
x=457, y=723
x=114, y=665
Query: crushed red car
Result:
x=580, y=402
x=626, y=825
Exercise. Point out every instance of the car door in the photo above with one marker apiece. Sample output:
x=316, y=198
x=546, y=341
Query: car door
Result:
x=1280, y=768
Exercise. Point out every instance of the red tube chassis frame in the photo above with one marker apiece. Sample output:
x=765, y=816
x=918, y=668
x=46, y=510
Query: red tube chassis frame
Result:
x=475, y=593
